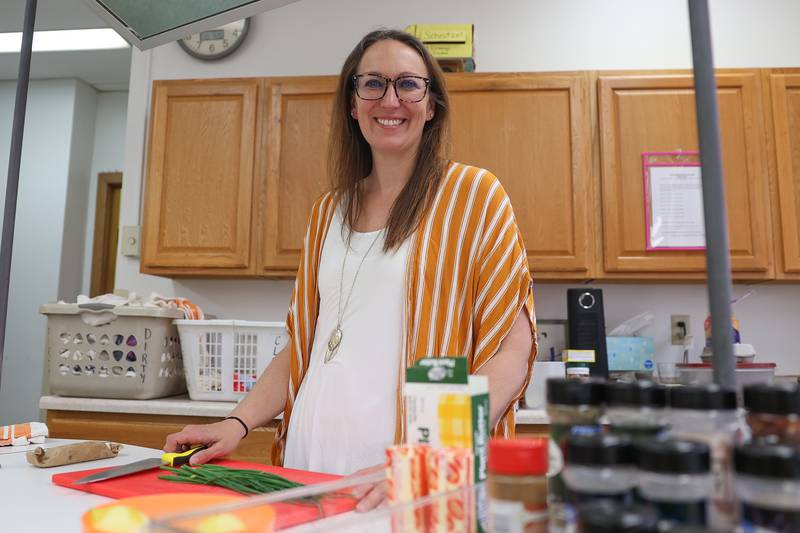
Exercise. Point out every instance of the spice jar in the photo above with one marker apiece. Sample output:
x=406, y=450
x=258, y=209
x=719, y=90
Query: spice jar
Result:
x=773, y=412
x=768, y=485
x=574, y=408
x=707, y=413
x=608, y=516
x=636, y=408
x=517, y=484
x=675, y=476
x=599, y=466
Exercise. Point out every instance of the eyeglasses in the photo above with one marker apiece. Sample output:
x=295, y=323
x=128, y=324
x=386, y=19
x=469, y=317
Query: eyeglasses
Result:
x=409, y=89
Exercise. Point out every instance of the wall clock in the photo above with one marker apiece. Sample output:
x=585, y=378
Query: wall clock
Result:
x=217, y=43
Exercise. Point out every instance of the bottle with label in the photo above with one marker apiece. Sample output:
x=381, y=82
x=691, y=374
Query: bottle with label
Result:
x=517, y=484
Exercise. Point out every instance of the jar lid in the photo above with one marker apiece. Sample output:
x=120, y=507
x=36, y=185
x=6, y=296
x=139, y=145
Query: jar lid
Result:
x=574, y=392
x=518, y=456
x=599, y=450
x=608, y=516
x=635, y=393
x=774, y=398
x=765, y=460
x=705, y=397
x=673, y=457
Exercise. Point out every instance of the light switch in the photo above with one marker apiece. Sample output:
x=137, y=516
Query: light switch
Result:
x=129, y=244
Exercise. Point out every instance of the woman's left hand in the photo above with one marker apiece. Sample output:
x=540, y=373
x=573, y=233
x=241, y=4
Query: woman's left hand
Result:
x=370, y=495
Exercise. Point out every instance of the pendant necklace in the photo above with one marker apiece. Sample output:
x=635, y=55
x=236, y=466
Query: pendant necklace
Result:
x=336, y=337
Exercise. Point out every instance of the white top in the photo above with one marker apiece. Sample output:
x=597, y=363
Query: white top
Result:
x=32, y=502
x=344, y=416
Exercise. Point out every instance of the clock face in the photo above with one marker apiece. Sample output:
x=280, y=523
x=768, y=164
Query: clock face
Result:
x=216, y=43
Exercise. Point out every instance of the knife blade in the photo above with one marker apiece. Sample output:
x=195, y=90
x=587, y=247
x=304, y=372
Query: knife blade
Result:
x=169, y=458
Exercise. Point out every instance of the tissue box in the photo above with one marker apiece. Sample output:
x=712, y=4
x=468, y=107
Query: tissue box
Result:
x=630, y=354
x=447, y=407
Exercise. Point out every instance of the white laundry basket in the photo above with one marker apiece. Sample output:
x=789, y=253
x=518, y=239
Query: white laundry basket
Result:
x=224, y=358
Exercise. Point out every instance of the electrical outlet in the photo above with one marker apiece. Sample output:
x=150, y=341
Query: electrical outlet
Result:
x=679, y=328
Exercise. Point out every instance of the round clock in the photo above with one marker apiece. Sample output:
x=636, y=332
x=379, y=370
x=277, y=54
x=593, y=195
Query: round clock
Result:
x=216, y=43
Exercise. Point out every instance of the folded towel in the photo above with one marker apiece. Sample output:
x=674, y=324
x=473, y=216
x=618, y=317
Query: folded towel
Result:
x=190, y=310
x=23, y=434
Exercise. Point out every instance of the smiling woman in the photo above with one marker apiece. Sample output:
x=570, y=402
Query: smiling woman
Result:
x=410, y=255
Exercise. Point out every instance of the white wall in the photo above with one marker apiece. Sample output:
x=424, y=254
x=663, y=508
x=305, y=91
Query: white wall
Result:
x=39, y=230
x=312, y=37
x=108, y=156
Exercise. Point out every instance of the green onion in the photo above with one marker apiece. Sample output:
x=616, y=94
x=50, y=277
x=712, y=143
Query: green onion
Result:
x=239, y=480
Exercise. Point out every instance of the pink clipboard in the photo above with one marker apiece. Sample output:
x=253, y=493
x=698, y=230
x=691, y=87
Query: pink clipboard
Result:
x=663, y=159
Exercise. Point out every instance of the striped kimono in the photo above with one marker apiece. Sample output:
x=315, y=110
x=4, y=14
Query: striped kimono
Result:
x=467, y=279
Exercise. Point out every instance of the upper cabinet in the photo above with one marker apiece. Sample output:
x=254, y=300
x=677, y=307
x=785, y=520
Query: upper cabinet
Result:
x=533, y=131
x=198, y=203
x=296, y=126
x=656, y=113
x=784, y=89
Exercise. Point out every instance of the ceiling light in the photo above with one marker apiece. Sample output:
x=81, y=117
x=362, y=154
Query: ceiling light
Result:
x=64, y=40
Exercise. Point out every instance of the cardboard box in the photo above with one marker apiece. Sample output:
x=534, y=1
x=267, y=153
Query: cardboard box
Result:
x=446, y=41
x=447, y=407
x=630, y=354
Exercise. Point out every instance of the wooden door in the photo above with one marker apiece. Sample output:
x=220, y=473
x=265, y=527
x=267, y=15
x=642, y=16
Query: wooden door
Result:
x=656, y=113
x=784, y=88
x=296, y=127
x=106, y=232
x=200, y=178
x=533, y=131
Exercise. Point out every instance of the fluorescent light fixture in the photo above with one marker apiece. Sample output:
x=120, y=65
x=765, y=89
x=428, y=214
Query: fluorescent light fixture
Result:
x=64, y=40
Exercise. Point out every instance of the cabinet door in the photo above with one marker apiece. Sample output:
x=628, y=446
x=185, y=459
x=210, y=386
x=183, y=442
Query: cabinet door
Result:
x=785, y=97
x=298, y=116
x=200, y=176
x=533, y=132
x=656, y=113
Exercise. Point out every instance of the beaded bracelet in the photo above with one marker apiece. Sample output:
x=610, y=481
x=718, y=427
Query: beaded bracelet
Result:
x=246, y=429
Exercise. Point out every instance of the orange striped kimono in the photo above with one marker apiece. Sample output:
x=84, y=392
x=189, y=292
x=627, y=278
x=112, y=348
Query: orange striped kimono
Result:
x=467, y=279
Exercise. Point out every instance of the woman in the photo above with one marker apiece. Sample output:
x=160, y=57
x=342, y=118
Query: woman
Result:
x=409, y=256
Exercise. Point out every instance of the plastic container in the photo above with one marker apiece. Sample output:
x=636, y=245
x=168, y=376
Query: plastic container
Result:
x=773, y=412
x=708, y=414
x=768, y=485
x=102, y=351
x=224, y=358
x=517, y=484
x=636, y=409
x=607, y=516
x=675, y=476
x=577, y=372
x=600, y=466
x=746, y=373
x=574, y=408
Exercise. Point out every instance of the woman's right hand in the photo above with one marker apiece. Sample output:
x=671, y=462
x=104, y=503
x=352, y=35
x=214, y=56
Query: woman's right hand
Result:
x=221, y=438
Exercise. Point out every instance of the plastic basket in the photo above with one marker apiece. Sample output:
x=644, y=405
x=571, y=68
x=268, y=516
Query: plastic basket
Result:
x=224, y=358
x=102, y=351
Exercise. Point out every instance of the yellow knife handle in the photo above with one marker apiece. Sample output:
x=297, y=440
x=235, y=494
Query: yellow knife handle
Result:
x=176, y=459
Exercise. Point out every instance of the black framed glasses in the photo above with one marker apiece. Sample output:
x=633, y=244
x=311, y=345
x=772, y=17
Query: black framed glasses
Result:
x=409, y=89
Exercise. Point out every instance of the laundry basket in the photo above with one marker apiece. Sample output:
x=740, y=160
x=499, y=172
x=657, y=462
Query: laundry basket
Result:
x=101, y=351
x=224, y=358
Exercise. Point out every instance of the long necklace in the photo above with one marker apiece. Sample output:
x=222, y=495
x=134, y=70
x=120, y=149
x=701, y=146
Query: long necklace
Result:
x=336, y=337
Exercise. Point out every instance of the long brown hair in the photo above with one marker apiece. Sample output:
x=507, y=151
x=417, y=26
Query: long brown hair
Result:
x=350, y=156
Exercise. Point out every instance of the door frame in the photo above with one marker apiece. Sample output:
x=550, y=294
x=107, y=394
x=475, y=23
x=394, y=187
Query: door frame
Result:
x=105, y=182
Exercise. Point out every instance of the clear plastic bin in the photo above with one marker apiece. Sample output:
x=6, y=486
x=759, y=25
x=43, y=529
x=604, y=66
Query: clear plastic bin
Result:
x=224, y=358
x=745, y=373
x=102, y=351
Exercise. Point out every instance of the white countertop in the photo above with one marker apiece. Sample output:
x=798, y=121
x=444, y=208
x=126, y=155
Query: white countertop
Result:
x=183, y=406
x=32, y=503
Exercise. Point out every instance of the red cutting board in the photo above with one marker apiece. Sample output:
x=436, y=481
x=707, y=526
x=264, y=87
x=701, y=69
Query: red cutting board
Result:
x=147, y=483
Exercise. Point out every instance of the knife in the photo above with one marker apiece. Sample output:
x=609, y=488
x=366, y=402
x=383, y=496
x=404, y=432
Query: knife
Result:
x=169, y=459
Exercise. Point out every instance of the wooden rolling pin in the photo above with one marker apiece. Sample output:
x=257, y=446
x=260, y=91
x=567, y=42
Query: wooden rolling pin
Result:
x=72, y=453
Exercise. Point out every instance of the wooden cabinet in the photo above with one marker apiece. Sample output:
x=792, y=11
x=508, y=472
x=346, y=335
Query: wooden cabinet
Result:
x=149, y=431
x=656, y=113
x=296, y=126
x=783, y=86
x=534, y=132
x=198, y=205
